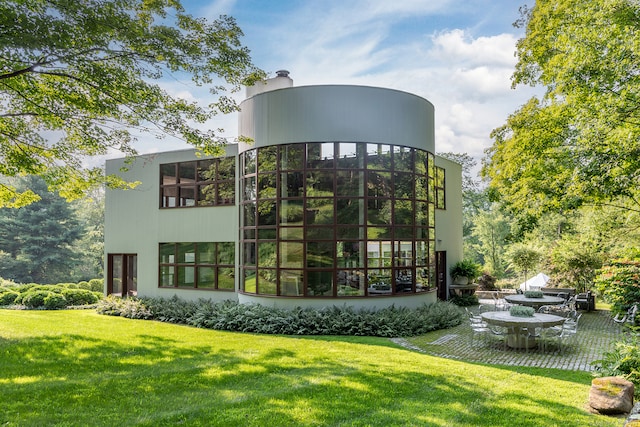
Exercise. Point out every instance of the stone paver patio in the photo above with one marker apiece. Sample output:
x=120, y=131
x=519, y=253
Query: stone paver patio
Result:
x=596, y=335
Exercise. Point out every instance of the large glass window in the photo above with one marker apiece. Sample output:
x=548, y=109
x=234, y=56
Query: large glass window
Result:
x=201, y=265
x=209, y=182
x=337, y=219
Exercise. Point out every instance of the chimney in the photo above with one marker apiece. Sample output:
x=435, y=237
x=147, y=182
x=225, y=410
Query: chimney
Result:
x=280, y=81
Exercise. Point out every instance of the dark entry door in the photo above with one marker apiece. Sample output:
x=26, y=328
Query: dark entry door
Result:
x=122, y=278
x=441, y=274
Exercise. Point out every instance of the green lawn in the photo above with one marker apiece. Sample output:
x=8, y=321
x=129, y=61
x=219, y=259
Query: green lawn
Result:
x=77, y=368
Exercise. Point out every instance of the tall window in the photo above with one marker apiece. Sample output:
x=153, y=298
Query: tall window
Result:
x=439, y=188
x=334, y=219
x=209, y=182
x=201, y=265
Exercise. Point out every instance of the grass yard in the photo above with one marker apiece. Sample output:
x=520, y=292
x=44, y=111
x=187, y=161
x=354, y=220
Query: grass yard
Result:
x=78, y=368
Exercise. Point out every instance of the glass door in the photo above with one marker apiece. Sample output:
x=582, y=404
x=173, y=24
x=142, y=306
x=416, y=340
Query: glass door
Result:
x=122, y=278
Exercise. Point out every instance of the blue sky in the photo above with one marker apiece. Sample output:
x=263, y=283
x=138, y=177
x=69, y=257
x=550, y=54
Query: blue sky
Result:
x=458, y=54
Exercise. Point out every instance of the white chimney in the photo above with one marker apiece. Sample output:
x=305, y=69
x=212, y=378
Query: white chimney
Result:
x=280, y=81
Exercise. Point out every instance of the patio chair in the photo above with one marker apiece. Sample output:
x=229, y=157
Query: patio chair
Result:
x=500, y=334
x=628, y=317
x=500, y=304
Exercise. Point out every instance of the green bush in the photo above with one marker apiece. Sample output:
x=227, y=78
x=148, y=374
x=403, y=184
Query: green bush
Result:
x=464, y=300
x=34, y=298
x=232, y=316
x=96, y=285
x=132, y=308
x=623, y=360
x=8, y=297
x=79, y=296
x=533, y=294
x=618, y=283
x=54, y=301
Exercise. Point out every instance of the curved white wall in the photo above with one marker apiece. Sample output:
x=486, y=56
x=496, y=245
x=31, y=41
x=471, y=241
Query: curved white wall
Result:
x=337, y=113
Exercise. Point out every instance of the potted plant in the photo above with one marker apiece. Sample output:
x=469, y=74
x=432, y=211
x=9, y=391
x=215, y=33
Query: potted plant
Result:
x=464, y=272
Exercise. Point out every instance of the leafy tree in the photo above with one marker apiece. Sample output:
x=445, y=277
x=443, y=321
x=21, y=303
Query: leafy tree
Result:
x=492, y=231
x=524, y=258
x=77, y=79
x=89, y=211
x=36, y=241
x=575, y=261
x=579, y=143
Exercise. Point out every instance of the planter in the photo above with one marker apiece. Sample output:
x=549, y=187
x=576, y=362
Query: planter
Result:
x=461, y=281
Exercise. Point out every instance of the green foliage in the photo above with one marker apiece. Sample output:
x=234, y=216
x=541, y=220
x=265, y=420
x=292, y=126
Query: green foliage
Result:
x=53, y=297
x=232, y=316
x=575, y=262
x=74, y=296
x=524, y=258
x=8, y=297
x=623, y=360
x=96, y=285
x=54, y=301
x=464, y=300
x=533, y=294
x=465, y=268
x=618, y=283
x=521, y=311
x=579, y=144
x=79, y=79
x=36, y=241
x=34, y=298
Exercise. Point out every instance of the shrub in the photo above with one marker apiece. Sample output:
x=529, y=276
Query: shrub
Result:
x=79, y=296
x=487, y=282
x=54, y=301
x=464, y=300
x=623, y=360
x=132, y=308
x=618, y=283
x=84, y=285
x=96, y=285
x=465, y=268
x=34, y=298
x=232, y=316
x=8, y=297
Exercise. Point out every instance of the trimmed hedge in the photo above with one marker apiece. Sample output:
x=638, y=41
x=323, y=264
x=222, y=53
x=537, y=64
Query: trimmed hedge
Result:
x=255, y=318
x=61, y=295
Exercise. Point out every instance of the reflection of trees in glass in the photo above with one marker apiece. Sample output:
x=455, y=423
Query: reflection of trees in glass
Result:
x=249, y=161
x=267, y=212
x=323, y=205
x=319, y=283
x=350, y=211
x=320, y=254
x=291, y=156
x=379, y=156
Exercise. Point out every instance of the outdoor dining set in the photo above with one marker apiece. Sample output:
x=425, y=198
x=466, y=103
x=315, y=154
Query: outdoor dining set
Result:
x=526, y=321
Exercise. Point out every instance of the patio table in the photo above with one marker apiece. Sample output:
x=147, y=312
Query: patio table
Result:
x=536, y=303
x=521, y=325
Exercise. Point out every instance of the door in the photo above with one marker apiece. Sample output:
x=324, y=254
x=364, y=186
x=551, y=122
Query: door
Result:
x=122, y=278
x=441, y=274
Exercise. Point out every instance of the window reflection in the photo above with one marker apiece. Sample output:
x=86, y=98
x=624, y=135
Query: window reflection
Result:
x=337, y=219
x=209, y=182
x=202, y=265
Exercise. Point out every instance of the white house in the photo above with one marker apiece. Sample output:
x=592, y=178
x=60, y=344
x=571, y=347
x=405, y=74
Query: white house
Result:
x=339, y=199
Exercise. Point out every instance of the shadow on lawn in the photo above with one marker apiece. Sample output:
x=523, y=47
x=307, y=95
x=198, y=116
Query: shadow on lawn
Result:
x=156, y=381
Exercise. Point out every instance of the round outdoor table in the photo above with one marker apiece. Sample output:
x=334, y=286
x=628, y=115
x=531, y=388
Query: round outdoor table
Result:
x=533, y=302
x=521, y=325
